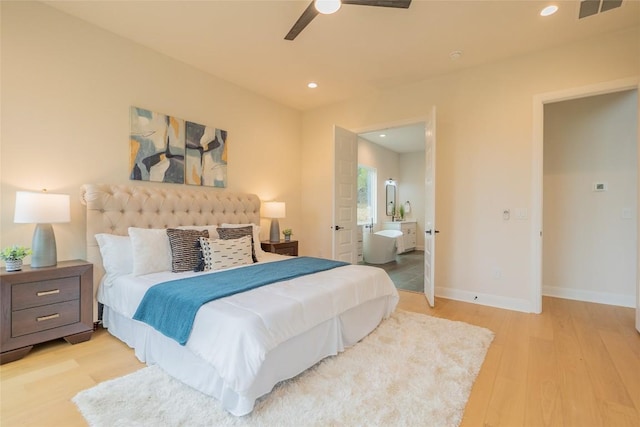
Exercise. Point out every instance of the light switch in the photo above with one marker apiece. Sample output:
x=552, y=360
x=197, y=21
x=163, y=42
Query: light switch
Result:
x=522, y=213
x=627, y=213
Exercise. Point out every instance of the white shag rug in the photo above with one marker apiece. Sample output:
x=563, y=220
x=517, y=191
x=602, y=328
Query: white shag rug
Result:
x=413, y=370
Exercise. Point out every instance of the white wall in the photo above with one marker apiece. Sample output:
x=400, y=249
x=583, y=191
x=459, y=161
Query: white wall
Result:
x=484, y=158
x=387, y=165
x=589, y=245
x=412, y=188
x=66, y=91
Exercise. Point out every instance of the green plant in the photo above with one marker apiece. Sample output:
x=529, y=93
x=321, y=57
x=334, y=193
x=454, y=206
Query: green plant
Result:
x=287, y=232
x=14, y=253
x=401, y=211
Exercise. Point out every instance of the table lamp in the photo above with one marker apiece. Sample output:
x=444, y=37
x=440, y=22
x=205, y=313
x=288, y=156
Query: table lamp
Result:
x=274, y=210
x=42, y=209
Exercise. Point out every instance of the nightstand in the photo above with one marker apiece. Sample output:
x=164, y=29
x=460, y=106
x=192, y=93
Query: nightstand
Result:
x=282, y=247
x=43, y=304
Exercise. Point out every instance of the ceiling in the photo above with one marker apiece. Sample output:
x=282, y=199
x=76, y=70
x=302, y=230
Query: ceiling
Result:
x=356, y=51
x=401, y=139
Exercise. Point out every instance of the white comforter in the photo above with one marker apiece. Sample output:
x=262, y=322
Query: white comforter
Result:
x=248, y=325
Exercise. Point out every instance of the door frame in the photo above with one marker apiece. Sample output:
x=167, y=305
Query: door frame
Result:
x=539, y=101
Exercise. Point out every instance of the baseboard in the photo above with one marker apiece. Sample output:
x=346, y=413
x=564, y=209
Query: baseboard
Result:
x=590, y=296
x=507, y=303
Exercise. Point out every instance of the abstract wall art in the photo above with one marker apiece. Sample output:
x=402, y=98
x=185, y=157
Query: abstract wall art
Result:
x=157, y=147
x=168, y=149
x=206, y=155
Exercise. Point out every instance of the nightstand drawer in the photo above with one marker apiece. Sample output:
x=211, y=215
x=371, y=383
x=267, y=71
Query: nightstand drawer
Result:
x=288, y=250
x=283, y=247
x=34, y=294
x=46, y=317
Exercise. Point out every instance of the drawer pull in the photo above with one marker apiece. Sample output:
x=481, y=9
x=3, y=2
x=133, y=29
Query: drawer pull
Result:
x=45, y=293
x=49, y=317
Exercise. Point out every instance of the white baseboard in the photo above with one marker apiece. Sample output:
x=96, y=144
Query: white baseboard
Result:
x=590, y=296
x=497, y=301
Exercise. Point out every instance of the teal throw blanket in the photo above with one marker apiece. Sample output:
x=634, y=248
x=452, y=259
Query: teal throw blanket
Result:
x=171, y=307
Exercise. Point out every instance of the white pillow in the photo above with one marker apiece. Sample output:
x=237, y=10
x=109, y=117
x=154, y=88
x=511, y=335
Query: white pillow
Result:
x=219, y=254
x=117, y=255
x=151, y=250
x=256, y=237
x=212, y=229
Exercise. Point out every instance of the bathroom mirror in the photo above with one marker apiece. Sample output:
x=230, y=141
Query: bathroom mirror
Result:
x=390, y=187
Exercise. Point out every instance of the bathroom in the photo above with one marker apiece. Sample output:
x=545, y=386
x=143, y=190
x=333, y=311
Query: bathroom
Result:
x=396, y=171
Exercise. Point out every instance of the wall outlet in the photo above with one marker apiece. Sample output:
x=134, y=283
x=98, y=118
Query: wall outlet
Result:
x=497, y=273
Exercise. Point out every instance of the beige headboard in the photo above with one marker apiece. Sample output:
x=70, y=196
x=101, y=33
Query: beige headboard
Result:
x=115, y=208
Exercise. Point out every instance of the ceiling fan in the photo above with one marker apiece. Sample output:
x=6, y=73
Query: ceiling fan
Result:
x=330, y=6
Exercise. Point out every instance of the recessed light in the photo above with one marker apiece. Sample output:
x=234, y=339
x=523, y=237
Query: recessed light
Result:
x=312, y=85
x=455, y=55
x=549, y=10
x=383, y=135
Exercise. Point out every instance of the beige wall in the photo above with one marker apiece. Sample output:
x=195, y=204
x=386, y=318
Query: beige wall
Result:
x=412, y=188
x=589, y=249
x=66, y=91
x=387, y=165
x=484, y=158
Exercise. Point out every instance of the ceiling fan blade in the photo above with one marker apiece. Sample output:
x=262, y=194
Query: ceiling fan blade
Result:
x=402, y=4
x=307, y=16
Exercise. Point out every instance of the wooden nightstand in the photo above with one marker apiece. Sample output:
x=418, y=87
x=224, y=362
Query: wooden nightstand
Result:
x=282, y=247
x=42, y=304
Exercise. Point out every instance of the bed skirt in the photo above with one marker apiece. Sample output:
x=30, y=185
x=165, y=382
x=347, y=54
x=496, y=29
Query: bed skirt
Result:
x=285, y=361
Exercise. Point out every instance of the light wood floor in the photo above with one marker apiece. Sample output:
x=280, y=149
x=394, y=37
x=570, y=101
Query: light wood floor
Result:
x=577, y=364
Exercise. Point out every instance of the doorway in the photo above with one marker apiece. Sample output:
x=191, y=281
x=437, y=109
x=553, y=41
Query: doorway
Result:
x=537, y=175
x=429, y=180
x=589, y=199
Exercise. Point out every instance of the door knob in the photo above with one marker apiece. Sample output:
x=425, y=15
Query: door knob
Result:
x=429, y=231
x=337, y=227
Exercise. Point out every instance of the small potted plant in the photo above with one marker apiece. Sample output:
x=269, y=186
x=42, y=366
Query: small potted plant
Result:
x=13, y=256
x=287, y=234
x=401, y=212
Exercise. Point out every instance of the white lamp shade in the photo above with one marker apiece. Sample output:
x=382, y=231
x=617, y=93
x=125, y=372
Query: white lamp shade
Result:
x=41, y=208
x=274, y=210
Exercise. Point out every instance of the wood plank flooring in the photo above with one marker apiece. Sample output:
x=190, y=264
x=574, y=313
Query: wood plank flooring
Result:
x=576, y=364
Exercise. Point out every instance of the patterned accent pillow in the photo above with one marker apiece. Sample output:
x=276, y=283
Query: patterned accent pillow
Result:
x=219, y=254
x=185, y=249
x=237, y=232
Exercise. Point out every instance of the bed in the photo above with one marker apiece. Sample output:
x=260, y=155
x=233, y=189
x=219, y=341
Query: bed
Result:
x=241, y=345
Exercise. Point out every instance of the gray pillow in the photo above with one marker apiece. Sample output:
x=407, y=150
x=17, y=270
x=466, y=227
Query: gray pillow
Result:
x=185, y=249
x=236, y=233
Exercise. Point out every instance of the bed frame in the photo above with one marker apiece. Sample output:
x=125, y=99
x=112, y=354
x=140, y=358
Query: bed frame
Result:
x=114, y=208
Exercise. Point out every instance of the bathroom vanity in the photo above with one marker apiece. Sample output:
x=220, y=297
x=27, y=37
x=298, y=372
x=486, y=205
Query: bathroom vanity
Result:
x=409, y=230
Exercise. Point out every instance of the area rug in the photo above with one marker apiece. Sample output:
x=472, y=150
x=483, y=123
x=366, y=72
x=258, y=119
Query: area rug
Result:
x=413, y=370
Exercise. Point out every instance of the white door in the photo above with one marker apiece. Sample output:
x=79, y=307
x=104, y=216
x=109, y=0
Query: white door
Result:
x=430, y=208
x=344, y=196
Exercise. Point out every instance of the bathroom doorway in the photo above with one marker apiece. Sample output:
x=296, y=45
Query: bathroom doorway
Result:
x=397, y=153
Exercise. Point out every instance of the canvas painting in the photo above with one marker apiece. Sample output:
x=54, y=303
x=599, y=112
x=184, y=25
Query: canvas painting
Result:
x=157, y=144
x=206, y=155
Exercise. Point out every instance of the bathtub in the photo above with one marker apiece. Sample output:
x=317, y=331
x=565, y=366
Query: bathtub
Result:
x=380, y=247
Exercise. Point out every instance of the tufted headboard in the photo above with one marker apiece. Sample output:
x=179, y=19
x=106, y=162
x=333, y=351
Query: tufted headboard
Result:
x=114, y=208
